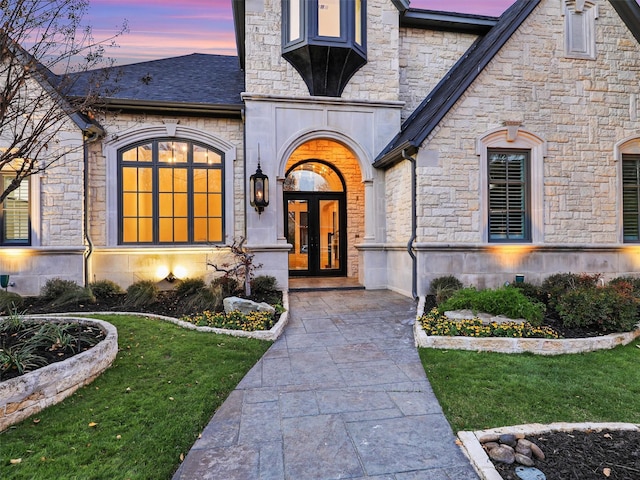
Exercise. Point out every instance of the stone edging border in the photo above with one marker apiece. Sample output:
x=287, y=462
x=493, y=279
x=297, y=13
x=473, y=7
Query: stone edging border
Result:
x=269, y=335
x=540, y=346
x=480, y=460
x=32, y=392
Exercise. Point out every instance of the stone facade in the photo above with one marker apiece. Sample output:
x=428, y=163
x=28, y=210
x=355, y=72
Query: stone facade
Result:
x=580, y=109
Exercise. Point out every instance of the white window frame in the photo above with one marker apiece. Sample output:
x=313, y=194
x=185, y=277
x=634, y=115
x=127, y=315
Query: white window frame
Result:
x=513, y=137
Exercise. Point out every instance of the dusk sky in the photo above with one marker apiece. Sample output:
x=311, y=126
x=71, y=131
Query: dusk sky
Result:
x=166, y=28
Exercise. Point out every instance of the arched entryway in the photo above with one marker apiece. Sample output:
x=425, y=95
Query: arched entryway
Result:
x=324, y=209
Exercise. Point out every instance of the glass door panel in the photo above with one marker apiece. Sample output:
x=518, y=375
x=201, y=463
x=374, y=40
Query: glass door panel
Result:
x=329, y=219
x=298, y=234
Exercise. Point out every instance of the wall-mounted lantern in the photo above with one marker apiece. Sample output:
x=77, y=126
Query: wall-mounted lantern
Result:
x=259, y=189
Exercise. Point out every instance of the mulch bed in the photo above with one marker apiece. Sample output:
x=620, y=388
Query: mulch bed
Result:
x=592, y=455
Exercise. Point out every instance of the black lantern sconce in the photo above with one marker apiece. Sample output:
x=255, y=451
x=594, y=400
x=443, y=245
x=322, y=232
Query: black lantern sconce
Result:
x=259, y=189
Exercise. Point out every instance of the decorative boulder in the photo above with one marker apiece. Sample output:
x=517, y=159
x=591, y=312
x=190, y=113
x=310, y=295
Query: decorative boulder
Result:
x=245, y=306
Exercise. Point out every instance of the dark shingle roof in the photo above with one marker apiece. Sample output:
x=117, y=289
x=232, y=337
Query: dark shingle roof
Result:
x=196, y=79
x=430, y=112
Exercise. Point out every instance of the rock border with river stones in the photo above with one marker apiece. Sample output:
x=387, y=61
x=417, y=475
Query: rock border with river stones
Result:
x=473, y=449
x=540, y=346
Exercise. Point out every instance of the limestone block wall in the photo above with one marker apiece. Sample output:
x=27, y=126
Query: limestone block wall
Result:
x=425, y=56
x=268, y=73
x=125, y=264
x=580, y=108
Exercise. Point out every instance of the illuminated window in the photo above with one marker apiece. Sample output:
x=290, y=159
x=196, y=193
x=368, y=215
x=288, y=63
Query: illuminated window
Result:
x=171, y=192
x=14, y=213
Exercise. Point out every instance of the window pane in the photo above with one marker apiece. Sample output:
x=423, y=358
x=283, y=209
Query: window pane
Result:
x=145, y=233
x=130, y=230
x=173, y=152
x=130, y=204
x=215, y=181
x=200, y=205
x=165, y=205
x=129, y=179
x=329, y=18
x=294, y=20
x=199, y=180
x=181, y=230
x=200, y=230
x=215, y=205
x=358, y=20
x=180, y=205
x=215, y=230
x=166, y=230
x=145, y=204
x=142, y=153
x=204, y=155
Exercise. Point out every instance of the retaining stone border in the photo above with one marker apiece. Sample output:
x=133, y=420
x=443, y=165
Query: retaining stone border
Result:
x=269, y=335
x=540, y=346
x=480, y=460
x=30, y=393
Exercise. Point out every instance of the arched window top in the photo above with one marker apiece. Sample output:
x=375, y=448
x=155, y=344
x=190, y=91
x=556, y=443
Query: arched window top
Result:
x=313, y=176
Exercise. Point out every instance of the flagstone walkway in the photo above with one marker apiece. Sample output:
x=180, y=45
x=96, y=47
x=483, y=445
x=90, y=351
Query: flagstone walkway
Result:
x=341, y=395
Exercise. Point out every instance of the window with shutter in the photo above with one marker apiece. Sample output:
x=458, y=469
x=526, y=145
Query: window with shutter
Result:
x=508, y=176
x=631, y=197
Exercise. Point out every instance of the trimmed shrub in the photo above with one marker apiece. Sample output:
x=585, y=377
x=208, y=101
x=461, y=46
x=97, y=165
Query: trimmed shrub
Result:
x=507, y=301
x=9, y=302
x=609, y=309
x=531, y=291
x=105, y=289
x=189, y=286
x=633, y=282
x=443, y=287
x=142, y=293
x=264, y=288
x=228, y=285
x=555, y=286
x=65, y=292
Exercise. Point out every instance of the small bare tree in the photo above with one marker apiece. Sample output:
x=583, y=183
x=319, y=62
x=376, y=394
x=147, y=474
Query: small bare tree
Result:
x=242, y=267
x=38, y=37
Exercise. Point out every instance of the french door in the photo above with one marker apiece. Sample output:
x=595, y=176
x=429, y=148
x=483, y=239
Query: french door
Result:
x=316, y=227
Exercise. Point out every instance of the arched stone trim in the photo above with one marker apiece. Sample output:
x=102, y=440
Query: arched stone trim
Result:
x=626, y=146
x=513, y=136
x=170, y=128
x=362, y=156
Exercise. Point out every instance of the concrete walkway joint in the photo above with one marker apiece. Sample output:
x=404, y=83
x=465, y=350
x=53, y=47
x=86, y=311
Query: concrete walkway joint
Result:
x=340, y=395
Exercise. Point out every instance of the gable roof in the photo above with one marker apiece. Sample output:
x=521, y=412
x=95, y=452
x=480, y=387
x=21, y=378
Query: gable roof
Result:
x=190, y=84
x=446, y=93
x=431, y=111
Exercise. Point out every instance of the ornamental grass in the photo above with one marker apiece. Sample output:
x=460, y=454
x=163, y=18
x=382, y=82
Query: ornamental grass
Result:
x=233, y=320
x=437, y=323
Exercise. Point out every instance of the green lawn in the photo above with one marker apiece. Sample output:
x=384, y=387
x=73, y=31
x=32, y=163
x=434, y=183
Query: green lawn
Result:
x=486, y=390
x=148, y=408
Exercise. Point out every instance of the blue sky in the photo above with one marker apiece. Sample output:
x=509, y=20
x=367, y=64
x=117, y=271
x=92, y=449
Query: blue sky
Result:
x=166, y=28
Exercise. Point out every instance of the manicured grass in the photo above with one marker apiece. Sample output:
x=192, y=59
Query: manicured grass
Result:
x=485, y=390
x=149, y=407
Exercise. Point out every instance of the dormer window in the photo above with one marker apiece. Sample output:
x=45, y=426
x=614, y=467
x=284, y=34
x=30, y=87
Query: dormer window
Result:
x=580, y=29
x=324, y=40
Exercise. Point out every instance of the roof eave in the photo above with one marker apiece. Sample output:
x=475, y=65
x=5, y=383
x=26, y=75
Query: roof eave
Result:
x=454, y=22
x=392, y=157
x=175, y=108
